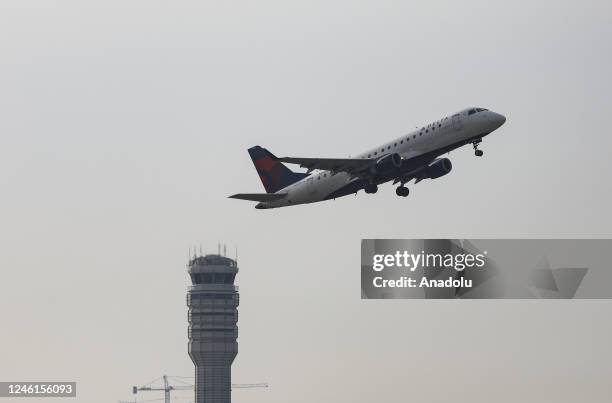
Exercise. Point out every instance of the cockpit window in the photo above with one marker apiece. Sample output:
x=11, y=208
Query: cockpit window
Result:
x=473, y=111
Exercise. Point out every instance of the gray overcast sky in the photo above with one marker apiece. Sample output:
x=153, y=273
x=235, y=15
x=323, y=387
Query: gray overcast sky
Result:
x=124, y=126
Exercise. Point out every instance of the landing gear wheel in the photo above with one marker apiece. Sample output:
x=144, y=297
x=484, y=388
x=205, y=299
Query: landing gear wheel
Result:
x=371, y=188
x=477, y=152
x=402, y=191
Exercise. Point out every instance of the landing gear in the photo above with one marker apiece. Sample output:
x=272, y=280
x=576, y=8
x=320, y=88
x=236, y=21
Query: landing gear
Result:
x=402, y=191
x=371, y=188
x=477, y=152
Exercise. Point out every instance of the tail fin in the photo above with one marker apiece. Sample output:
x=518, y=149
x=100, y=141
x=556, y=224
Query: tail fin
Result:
x=273, y=174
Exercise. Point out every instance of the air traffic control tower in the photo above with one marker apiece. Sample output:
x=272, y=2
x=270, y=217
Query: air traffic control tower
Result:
x=213, y=316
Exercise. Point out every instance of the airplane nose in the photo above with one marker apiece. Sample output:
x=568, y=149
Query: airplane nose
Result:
x=497, y=119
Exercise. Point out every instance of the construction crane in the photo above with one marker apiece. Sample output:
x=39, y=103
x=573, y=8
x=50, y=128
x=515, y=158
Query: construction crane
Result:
x=167, y=388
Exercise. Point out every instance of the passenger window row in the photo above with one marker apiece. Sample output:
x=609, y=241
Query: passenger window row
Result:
x=432, y=126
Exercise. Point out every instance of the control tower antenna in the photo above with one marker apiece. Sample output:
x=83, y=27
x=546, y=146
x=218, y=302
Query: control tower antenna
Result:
x=225, y=250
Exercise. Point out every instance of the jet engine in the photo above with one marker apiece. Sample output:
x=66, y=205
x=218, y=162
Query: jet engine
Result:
x=388, y=163
x=438, y=168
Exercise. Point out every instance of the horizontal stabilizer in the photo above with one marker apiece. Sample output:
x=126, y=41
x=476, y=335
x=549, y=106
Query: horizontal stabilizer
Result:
x=259, y=197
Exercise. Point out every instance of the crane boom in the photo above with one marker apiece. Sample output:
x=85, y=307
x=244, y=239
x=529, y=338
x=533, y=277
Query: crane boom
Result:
x=167, y=388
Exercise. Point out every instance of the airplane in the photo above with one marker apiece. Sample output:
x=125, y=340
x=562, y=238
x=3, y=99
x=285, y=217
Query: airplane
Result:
x=413, y=156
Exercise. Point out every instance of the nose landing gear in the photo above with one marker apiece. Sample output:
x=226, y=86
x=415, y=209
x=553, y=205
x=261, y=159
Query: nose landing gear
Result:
x=402, y=191
x=477, y=152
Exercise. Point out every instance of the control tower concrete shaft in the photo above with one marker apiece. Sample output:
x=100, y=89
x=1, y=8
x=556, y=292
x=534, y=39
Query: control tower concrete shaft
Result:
x=213, y=316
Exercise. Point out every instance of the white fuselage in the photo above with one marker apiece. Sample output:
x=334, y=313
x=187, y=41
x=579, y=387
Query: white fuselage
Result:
x=456, y=129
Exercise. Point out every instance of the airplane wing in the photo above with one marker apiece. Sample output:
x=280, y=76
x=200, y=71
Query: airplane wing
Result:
x=349, y=165
x=259, y=197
